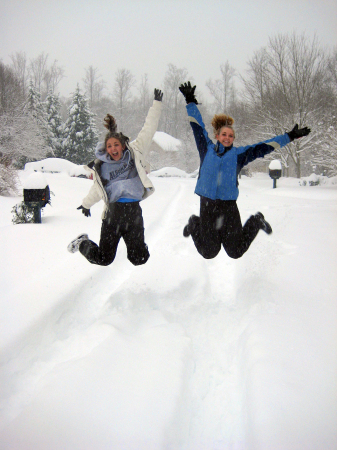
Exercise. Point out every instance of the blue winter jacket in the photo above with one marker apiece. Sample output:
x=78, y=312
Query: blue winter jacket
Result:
x=219, y=165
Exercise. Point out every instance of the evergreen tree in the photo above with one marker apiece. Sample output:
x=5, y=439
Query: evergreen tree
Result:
x=54, y=123
x=80, y=133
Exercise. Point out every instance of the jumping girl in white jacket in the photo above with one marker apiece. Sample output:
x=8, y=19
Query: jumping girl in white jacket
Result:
x=121, y=181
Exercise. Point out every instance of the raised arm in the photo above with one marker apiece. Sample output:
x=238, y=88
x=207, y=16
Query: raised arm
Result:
x=143, y=140
x=201, y=137
x=251, y=152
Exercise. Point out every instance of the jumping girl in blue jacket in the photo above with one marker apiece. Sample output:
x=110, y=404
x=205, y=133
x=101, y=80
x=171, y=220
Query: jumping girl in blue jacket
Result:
x=220, y=164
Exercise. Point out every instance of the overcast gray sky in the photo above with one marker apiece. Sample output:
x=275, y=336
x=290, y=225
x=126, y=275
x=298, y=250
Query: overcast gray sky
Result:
x=144, y=36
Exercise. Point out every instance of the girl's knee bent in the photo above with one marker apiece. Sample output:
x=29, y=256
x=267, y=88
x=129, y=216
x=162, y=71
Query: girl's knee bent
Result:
x=138, y=257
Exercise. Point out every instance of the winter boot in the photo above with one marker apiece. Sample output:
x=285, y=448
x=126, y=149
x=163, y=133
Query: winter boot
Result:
x=263, y=224
x=74, y=245
x=189, y=227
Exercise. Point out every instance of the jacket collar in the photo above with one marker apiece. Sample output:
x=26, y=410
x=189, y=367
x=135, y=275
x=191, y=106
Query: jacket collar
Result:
x=220, y=150
x=95, y=163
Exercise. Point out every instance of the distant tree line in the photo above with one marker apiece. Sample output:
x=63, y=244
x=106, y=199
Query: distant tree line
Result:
x=290, y=80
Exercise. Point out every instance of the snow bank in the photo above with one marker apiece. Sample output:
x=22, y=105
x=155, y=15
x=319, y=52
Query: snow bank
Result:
x=56, y=165
x=315, y=180
x=170, y=172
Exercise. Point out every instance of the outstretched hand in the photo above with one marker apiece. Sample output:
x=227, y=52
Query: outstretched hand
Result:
x=297, y=133
x=188, y=92
x=158, y=95
x=85, y=211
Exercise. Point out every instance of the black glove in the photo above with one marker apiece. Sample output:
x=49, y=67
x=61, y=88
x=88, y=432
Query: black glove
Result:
x=296, y=133
x=158, y=95
x=188, y=92
x=85, y=211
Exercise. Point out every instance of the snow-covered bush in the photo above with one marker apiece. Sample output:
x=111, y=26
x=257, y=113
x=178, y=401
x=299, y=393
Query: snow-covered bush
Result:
x=316, y=180
x=22, y=213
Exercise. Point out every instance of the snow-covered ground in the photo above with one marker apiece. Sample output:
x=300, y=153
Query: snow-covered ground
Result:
x=181, y=353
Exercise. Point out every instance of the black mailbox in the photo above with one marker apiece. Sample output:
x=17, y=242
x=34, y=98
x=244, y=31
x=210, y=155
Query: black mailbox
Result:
x=37, y=195
x=36, y=199
x=275, y=174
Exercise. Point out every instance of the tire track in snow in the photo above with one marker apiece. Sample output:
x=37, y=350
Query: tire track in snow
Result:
x=71, y=329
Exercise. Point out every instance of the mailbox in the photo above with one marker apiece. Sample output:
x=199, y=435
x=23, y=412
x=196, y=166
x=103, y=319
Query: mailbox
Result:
x=275, y=171
x=36, y=194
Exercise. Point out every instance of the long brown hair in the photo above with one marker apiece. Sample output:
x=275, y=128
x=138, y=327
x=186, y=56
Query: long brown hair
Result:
x=111, y=125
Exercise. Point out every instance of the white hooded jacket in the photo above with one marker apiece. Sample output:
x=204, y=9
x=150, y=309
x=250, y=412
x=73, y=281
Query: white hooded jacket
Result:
x=139, y=149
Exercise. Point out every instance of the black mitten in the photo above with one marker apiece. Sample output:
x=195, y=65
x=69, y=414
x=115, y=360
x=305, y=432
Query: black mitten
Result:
x=85, y=211
x=158, y=95
x=188, y=92
x=296, y=132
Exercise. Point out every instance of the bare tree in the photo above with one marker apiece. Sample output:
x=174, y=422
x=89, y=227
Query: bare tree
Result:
x=16, y=127
x=284, y=86
x=174, y=114
x=122, y=96
x=52, y=78
x=44, y=78
x=10, y=89
x=19, y=66
x=143, y=101
x=332, y=71
x=145, y=96
x=325, y=156
x=223, y=89
x=37, y=70
x=93, y=85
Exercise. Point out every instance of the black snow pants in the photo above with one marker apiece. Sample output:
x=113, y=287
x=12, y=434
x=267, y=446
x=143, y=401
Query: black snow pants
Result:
x=124, y=220
x=220, y=223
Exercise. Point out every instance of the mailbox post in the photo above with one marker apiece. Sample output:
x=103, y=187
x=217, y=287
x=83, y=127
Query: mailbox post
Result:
x=275, y=171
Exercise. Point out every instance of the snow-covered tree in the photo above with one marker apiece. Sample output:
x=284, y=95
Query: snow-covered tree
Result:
x=54, y=124
x=324, y=160
x=36, y=109
x=284, y=86
x=80, y=133
x=20, y=138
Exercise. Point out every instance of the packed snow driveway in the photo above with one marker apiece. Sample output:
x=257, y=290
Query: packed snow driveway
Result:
x=181, y=353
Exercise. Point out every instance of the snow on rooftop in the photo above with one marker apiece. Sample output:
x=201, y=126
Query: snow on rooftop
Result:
x=167, y=142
